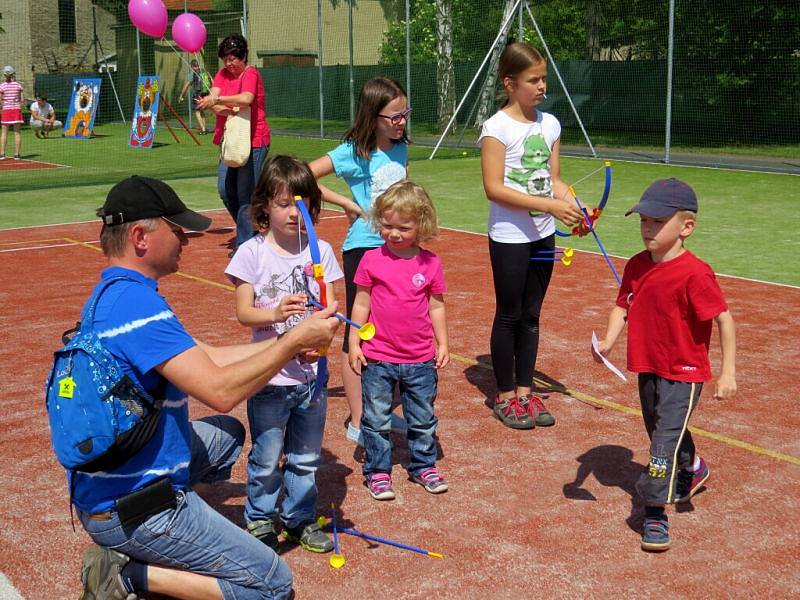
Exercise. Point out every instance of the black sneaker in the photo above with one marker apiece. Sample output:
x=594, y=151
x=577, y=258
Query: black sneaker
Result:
x=310, y=536
x=101, y=576
x=265, y=531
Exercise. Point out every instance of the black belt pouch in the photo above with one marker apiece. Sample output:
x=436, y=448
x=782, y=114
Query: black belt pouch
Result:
x=135, y=508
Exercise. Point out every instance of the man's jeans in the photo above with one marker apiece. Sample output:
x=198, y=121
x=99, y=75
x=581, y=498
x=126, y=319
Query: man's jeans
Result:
x=417, y=385
x=235, y=186
x=284, y=421
x=193, y=536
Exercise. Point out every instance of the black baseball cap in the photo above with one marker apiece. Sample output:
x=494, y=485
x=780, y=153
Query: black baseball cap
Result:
x=138, y=198
x=664, y=198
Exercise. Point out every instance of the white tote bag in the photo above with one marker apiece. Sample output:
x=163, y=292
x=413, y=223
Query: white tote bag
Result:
x=236, y=145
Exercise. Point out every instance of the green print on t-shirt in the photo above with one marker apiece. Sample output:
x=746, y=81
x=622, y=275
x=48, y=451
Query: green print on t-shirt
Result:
x=534, y=175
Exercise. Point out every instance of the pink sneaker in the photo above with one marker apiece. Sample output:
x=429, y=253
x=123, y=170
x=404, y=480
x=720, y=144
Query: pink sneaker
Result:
x=432, y=480
x=380, y=486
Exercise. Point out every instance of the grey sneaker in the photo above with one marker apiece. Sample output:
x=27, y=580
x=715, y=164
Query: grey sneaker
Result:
x=512, y=414
x=537, y=410
x=310, y=536
x=101, y=577
x=264, y=530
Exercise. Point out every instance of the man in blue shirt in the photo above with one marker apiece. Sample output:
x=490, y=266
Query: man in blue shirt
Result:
x=153, y=532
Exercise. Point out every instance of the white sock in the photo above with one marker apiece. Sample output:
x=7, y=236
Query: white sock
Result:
x=696, y=465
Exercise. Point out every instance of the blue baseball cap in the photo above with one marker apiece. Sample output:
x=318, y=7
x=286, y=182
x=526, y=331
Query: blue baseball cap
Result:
x=664, y=198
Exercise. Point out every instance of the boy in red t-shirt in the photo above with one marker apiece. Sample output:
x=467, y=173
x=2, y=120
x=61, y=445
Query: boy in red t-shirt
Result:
x=669, y=299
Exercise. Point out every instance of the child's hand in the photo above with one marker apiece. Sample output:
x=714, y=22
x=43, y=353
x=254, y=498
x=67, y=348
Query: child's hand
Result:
x=290, y=305
x=356, y=358
x=566, y=212
x=604, y=350
x=353, y=212
x=309, y=356
x=442, y=356
x=725, y=387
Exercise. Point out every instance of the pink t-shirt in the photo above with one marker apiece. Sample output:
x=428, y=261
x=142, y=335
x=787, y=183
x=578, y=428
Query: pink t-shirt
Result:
x=11, y=94
x=400, y=289
x=250, y=82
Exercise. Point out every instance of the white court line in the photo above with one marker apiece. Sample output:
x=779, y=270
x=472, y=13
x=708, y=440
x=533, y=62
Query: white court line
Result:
x=786, y=285
x=41, y=162
x=48, y=246
x=206, y=210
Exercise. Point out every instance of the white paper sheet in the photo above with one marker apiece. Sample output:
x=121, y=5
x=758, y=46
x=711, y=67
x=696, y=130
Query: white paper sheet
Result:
x=607, y=362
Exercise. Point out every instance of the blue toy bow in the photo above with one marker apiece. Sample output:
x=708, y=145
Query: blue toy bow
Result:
x=319, y=277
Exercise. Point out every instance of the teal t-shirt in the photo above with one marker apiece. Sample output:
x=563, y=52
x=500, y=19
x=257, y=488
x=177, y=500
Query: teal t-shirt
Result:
x=367, y=179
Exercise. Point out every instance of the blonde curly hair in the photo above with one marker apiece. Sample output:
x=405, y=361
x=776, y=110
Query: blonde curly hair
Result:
x=410, y=200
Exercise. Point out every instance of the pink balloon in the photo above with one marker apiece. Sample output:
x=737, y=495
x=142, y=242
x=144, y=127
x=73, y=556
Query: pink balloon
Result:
x=189, y=32
x=148, y=16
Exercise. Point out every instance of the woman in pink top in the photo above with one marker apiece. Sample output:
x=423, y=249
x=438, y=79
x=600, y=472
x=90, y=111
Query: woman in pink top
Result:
x=400, y=288
x=11, y=97
x=238, y=84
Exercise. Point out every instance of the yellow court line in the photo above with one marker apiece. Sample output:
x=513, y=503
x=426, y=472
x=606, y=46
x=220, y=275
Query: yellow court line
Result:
x=544, y=384
x=636, y=412
x=224, y=286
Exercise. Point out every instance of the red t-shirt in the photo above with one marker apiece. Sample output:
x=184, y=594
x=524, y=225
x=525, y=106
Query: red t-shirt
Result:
x=671, y=306
x=250, y=81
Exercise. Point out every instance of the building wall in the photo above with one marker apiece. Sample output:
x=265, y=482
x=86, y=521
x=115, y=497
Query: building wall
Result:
x=15, y=43
x=291, y=25
x=49, y=55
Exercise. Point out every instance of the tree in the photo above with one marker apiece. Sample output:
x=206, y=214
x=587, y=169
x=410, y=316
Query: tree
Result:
x=445, y=73
x=486, y=104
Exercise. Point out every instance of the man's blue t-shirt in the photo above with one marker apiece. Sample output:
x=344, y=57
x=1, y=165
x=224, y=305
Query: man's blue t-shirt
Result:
x=367, y=179
x=138, y=327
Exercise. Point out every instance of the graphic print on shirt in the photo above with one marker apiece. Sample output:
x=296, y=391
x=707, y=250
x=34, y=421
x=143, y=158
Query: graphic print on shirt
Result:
x=534, y=175
x=384, y=176
x=418, y=280
x=269, y=295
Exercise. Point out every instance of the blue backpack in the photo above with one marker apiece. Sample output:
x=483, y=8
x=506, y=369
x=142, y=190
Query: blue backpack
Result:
x=99, y=417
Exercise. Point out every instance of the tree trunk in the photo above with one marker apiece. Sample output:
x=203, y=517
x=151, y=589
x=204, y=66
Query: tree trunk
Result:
x=486, y=105
x=445, y=73
x=594, y=21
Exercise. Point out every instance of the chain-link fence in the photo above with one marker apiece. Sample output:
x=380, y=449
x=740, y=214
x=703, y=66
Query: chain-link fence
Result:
x=666, y=79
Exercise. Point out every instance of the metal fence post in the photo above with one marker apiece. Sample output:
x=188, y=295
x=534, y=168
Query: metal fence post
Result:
x=670, y=48
x=350, y=40
x=319, y=59
x=408, y=59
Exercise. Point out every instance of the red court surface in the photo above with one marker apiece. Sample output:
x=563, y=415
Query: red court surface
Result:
x=24, y=164
x=542, y=513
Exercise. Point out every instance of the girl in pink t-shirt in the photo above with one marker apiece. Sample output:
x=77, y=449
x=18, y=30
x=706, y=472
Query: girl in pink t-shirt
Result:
x=400, y=289
x=11, y=93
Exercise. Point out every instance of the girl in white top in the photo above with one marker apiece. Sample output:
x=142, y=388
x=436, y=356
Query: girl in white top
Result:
x=522, y=179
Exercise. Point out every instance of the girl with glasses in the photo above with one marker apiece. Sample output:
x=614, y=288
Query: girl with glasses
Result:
x=372, y=156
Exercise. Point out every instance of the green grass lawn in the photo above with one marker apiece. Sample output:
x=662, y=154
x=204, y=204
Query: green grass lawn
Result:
x=745, y=218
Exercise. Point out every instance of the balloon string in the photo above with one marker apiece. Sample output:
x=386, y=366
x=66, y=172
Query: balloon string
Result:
x=188, y=64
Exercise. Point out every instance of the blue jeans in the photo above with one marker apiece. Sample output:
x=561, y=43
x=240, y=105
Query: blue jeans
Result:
x=193, y=536
x=284, y=421
x=235, y=186
x=417, y=385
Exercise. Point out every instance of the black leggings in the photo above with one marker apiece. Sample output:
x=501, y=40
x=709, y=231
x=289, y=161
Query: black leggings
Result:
x=519, y=288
